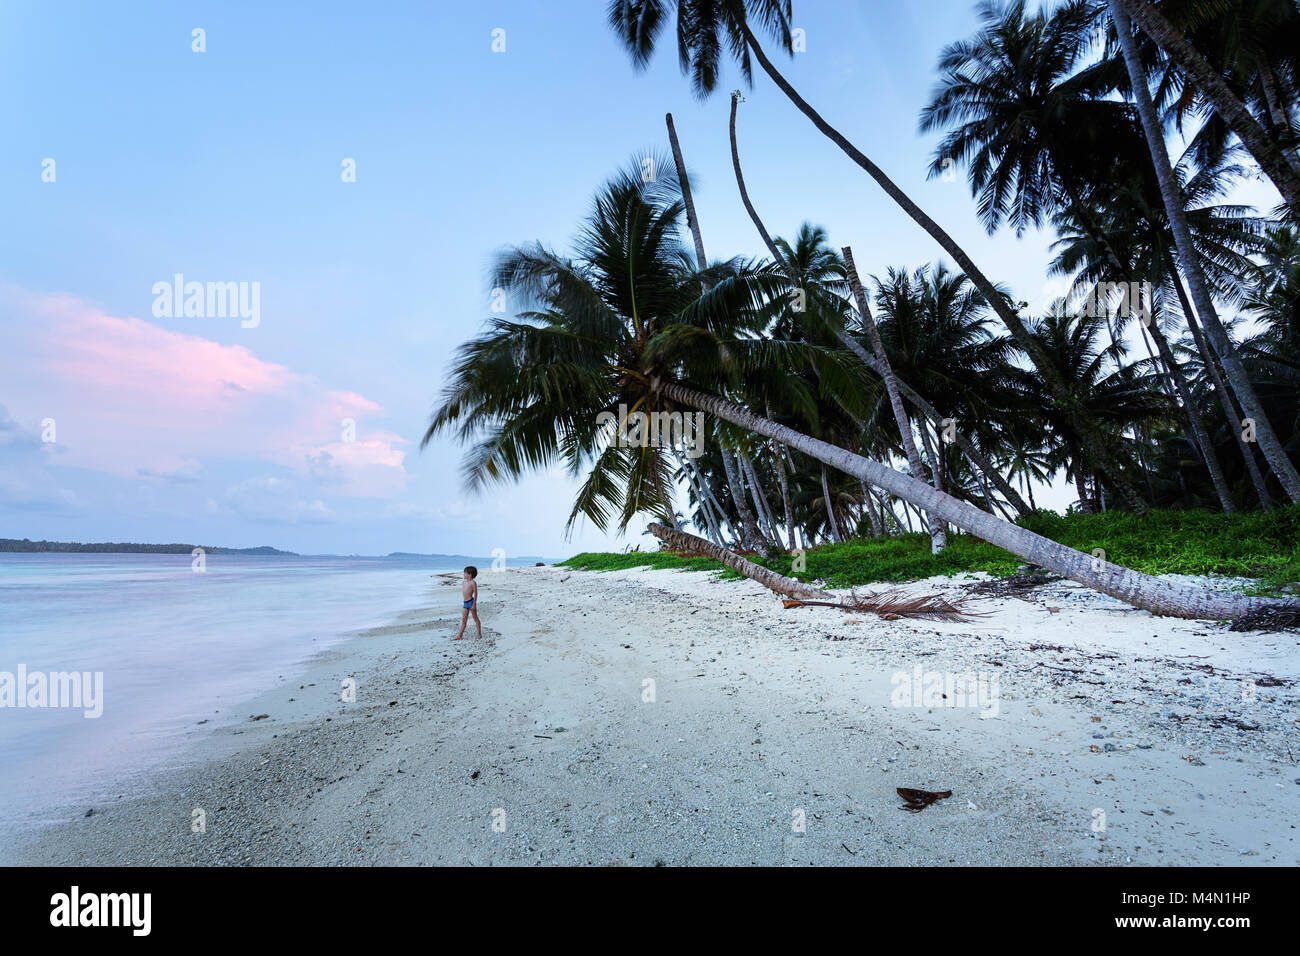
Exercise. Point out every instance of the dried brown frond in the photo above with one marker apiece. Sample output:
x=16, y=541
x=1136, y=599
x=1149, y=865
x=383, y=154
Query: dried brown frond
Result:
x=892, y=605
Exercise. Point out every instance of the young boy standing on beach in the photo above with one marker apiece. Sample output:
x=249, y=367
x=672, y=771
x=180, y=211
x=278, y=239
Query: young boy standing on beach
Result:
x=469, y=592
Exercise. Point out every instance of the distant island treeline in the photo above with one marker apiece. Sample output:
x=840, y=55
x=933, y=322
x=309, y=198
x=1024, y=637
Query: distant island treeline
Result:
x=131, y=547
x=125, y=547
x=456, y=558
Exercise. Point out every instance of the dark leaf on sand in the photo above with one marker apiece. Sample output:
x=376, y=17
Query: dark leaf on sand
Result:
x=917, y=800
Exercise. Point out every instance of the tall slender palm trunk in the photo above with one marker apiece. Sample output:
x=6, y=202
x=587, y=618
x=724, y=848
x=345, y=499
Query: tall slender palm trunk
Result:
x=1191, y=412
x=751, y=533
x=880, y=364
x=750, y=528
x=1083, y=422
x=785, y=495
x=938, y=538
x=830, y=508
x=869, y=506
x=1273, y=451
x=1140, y=590
x=712, y=527
x=692, y=221
x=761, y=506
x=1230, y=412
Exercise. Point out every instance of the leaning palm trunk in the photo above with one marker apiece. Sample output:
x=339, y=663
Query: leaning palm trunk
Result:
x=765, y=516
x=1079, y=417
x=1191, y=413
x=938, y=540
x=711, y=523
x=1230, y=413
x=830, y=509
x=755, y=572
x=785, y=495
x=687, y=200
x=877, y=364
x=976, y=457
x=1269, y=153
x=877, y=529
x=888, y=604
x=749, y=533
x=1140, y=590
x=749, y=528
x=1273, y=451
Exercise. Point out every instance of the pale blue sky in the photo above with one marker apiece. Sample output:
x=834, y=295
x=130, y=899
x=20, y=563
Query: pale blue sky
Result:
x=225, y=166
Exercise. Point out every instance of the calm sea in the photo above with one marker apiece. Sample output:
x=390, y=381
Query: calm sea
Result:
x=174, y=646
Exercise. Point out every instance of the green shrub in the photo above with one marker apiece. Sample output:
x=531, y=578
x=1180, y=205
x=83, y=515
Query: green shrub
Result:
x=1254, y=545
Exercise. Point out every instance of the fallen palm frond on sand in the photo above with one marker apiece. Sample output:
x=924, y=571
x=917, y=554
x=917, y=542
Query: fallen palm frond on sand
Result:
x=890, y=605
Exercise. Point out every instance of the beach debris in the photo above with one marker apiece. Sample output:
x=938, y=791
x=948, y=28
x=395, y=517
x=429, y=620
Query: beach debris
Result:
x=1014, y=585
x=1276, y=617
x=258, y=717
x=917, y=800
x=90, y=812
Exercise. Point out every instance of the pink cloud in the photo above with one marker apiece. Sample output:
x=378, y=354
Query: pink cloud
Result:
x=135, y=399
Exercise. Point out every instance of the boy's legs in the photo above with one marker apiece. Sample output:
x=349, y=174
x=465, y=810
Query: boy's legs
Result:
x=464, y=619
x=477, y=622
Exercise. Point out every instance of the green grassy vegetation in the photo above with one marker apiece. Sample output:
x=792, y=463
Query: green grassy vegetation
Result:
x=1252, y=545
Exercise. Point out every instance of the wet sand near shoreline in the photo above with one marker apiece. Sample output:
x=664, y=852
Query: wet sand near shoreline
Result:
x=662, y=717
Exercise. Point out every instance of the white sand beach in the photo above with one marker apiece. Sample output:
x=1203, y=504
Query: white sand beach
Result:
x=1118, y=739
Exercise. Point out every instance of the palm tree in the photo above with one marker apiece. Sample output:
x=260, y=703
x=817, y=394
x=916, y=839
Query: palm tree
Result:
x=1028, y=128
x=832, y=317
x=607, y=305
x=933, y=330
x=1113, y=392
x=1267, y=150
x=936, y=332
x=1027, y=459
x=825, y=309
x=704, y=28
x=1136, y=228
x=1034, y=134
x=631, y=321
x=1274, y=453
x=752, y=537
x=1255, y=46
